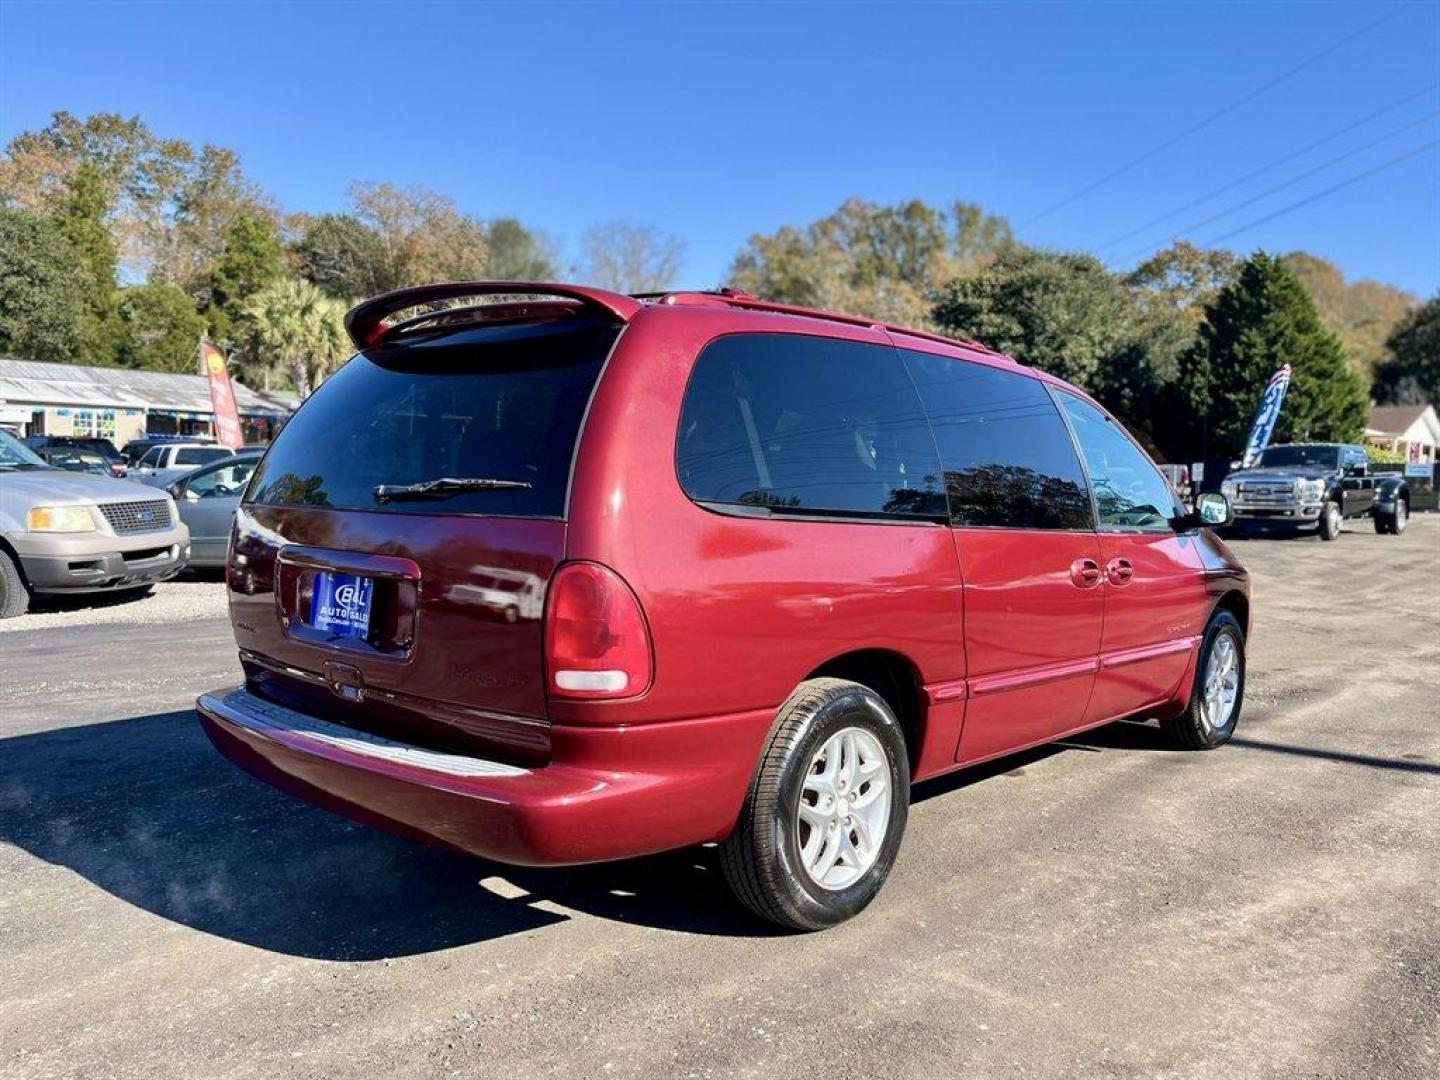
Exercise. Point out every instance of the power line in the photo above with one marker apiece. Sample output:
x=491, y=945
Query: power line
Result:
x=1233, y=184
x=1217, y=115
x=1192, y=228
x=1321, y=194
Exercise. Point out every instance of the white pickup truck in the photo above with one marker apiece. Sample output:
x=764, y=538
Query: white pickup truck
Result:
x=164, y=464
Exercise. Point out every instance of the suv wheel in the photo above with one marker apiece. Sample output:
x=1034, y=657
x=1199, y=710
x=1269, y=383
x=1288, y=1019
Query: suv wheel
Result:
x=14, y=596
x=1395, y=523
x=1331, y=521
x=826, y=810
x=1209, y=719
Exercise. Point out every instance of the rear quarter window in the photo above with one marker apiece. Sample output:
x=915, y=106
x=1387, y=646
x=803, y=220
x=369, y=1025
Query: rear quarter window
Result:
x=797, y=424
x=499, y=402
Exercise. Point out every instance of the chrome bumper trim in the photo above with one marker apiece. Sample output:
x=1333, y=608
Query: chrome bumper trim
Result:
x=244, y=709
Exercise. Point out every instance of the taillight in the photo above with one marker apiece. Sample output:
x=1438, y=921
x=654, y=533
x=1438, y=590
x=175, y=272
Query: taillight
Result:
x=596, y=641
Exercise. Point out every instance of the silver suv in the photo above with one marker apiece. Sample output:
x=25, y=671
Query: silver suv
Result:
x=68, y=532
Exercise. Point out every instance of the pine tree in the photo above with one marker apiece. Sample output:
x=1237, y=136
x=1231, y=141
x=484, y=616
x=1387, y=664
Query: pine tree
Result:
x=1261, y=321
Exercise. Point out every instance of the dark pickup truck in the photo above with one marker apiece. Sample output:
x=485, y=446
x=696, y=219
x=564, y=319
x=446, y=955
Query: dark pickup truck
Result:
x=1319, y=484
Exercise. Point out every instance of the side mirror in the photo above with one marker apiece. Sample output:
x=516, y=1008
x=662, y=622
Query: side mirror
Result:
x=1212, y=510
x=177, y=489
x=191, y=496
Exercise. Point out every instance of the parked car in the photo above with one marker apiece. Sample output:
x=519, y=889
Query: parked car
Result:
x=1320, y=485
x=117, y=465
x=67, y=532
x=73, y=459
x=136, y=449
x=794, y=561
x=207, y=499
x=162, y=465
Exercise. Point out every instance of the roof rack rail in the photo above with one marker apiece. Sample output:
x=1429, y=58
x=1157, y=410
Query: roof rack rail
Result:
x=366, y=324
x=739, y=298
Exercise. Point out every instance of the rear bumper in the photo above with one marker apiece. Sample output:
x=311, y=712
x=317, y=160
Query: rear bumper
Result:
x=609, y=793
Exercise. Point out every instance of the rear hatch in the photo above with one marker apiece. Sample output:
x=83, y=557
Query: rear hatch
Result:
x=393, y=548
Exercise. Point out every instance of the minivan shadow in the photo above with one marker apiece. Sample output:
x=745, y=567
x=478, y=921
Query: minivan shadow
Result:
x=147, y=810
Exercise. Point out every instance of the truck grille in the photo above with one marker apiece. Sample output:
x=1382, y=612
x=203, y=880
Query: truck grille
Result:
x=128, y=518
x=1263, y=494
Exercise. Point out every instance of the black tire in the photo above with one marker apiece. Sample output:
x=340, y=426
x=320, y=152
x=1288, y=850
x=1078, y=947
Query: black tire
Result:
x=14, y=596
x=761, y=857
x=1332, y=520
x=1191, y=730
x=1393, y=524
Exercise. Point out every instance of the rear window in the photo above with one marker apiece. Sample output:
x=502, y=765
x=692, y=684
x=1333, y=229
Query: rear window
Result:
x=493, y=403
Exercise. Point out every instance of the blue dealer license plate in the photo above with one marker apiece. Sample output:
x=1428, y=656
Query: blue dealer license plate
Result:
x=342, y=604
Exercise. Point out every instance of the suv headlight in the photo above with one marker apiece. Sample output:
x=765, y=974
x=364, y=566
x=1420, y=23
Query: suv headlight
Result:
x=60, y=519
x=1310, y=490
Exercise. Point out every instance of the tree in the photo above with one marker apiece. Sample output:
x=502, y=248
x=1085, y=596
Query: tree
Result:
x=1363, y=314
x=631, y=258
x=44, y=291
x=81, y=220
x=298, y=328
x=1182, y=279
x=422, y=236
x=1262, y=320
x=1059, y=311
x=879, y=261
x=519, y=254
x=342, y=255
x=159, y=329
x=251, y=259
x=1411, y=375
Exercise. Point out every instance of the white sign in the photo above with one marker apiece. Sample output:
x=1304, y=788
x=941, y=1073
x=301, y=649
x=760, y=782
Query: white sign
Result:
x=1418, y=468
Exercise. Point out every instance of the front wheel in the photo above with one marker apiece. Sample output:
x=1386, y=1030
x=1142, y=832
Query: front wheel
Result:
x=826, y=811
x=1215, y=699
x=1331, y=521
x=14, y=596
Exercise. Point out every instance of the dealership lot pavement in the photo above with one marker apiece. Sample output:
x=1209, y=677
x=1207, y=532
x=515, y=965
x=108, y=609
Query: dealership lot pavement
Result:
x=1110, y=908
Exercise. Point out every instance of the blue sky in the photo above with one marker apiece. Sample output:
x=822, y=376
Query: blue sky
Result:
x=713, y=121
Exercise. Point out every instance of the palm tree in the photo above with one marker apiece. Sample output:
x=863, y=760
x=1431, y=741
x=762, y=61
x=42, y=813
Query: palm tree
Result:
x=293, y=325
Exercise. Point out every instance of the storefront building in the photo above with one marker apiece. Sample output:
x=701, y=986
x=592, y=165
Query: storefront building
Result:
x=120, y=404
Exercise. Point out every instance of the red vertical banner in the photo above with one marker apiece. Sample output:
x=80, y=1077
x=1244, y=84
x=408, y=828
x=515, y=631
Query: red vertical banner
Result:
x=222, y=398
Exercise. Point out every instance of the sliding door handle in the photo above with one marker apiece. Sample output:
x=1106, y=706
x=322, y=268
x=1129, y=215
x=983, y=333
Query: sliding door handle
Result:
x=1085, y=573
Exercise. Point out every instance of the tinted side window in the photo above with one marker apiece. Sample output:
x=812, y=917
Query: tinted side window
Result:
x=200, y=455
x=803, y=424
x=1008, y=459
x=223, y=481
x=1129, y=490
x=152, y=457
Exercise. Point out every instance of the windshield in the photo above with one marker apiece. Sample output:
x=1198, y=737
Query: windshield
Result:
x=16, y=455
x=1324, y=457
x=495, y=409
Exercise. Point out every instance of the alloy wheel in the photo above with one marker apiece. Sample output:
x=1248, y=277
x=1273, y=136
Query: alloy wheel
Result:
x=1222, y=682
x=844, y=810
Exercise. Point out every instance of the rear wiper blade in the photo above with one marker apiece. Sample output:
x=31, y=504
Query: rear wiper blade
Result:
x=444, y=487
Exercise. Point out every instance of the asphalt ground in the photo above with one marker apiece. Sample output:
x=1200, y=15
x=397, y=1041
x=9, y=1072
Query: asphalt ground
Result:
x=1105, y=908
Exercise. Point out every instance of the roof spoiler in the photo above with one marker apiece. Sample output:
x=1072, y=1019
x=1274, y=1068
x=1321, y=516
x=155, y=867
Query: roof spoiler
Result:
x=365, y=322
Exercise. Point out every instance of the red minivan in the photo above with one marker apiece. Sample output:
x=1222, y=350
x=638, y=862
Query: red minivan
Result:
x=553, y=575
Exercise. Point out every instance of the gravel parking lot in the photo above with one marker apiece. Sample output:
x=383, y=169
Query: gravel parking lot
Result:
x=1105, y=908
